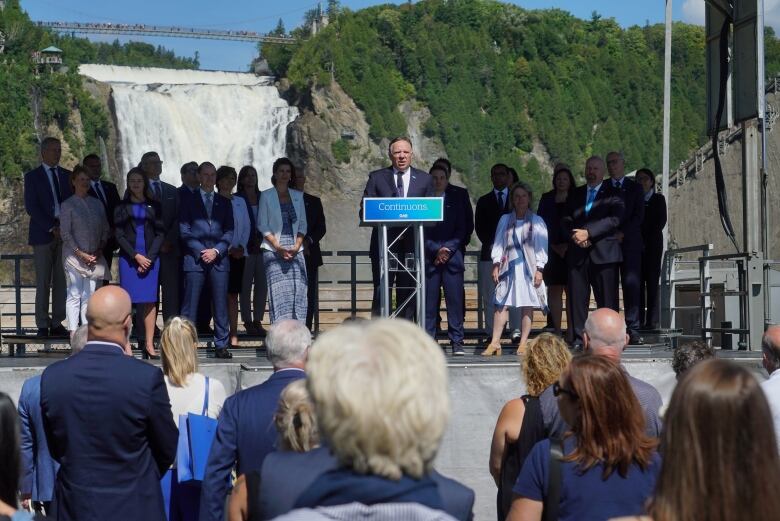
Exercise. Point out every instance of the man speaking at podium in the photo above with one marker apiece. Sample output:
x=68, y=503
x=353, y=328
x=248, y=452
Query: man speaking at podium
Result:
x=398, y=180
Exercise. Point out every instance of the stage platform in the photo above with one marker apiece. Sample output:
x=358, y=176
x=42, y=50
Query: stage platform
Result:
x=479, y=387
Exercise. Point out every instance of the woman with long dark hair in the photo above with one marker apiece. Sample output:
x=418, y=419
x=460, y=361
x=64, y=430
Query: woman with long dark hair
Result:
x=720, y=454
x=653, y=240
x=552, y=207
x=283, y=227
x=9, y=455
x=254, y=287
x=609, y=464
x=140, y=233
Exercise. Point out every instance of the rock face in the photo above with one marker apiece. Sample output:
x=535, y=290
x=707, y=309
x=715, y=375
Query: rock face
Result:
x=329, y=116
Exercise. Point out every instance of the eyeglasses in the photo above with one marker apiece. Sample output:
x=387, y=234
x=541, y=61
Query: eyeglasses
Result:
x=558, y=390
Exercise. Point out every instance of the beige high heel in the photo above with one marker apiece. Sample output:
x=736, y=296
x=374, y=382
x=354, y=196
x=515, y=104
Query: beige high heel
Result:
x=493, y=349
x=520, y=349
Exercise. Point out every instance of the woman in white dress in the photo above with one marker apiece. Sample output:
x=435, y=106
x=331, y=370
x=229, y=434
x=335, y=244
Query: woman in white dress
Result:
x=187, y=391
x=519, y=255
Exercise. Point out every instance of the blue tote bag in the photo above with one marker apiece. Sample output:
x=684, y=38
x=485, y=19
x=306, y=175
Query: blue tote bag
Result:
x=196, y=432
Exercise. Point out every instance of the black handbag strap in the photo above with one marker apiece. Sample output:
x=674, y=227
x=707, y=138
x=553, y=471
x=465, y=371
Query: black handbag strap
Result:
x=553, y=498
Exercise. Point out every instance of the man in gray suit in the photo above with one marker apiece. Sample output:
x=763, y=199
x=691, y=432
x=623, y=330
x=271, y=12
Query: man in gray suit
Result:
x=170, y=259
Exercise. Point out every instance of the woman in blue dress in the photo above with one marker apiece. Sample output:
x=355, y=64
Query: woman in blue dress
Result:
x=140, y=233
x=283, y=227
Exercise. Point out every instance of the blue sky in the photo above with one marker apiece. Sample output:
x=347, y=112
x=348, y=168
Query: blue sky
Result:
x=262, y=16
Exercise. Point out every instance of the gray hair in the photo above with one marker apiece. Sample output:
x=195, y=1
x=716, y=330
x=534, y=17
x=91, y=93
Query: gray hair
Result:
x=287, y=342
x=524, y=186
x=79, y=339
x=618, y=153
x=48, y=141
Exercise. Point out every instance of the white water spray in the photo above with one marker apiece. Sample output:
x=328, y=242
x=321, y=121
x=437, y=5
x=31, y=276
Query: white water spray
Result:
x=227, y=118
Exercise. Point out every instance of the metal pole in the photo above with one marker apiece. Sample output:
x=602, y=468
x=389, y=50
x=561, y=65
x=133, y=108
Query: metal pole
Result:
x=667, y=111
x=419, y=266
x=384, y=273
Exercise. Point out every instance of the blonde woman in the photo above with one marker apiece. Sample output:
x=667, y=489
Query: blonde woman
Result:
x=520, y=420
x=187, y=391
x=296, y=424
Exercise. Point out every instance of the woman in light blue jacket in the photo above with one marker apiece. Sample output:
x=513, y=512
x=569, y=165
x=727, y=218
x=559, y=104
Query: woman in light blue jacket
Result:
x=226, y=181
x=283, y=226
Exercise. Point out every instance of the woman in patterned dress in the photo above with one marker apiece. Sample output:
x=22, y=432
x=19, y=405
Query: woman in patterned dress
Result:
x=283, y=227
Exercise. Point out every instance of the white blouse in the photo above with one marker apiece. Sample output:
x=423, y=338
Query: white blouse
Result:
x=190, y=397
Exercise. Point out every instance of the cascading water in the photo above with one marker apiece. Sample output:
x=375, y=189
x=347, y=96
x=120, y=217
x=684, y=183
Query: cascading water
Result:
x=227, y=118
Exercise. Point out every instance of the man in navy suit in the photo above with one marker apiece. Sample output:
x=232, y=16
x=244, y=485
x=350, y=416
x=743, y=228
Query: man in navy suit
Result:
x=246, y=431
x=398, y=180
x=170, y=253
x=44, y=189
x=107, y=193
x=593, y=215
x=108, y=422
x=444, y=264
x=206, y=228
x=38, y=467
x=630, y=239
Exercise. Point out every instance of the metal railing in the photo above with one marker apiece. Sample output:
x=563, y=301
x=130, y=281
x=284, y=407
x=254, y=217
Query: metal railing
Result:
x=670, y=280
x=354, y=262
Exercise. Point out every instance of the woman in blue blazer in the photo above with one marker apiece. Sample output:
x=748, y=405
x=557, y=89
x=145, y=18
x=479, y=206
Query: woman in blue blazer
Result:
x=283, y=226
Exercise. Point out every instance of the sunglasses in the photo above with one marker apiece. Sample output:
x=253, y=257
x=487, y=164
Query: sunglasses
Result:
x=558, y=390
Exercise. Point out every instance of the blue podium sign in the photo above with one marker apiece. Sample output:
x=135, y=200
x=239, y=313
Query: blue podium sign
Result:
x=403, y=209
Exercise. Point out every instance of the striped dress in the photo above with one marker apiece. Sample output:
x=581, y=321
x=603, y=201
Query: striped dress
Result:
x=287, y=284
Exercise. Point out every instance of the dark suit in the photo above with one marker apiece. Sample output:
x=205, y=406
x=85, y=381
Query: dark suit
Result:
x=38, y=467
x=40, y=206
x=170, y=263
x=108, y=422
x=110, y=199
x=631, y=267
x=286, y=475
x=315, y=231
x=486, y=218
x=653, y=237
x=198, y=233
x=597, y=265
x=245, y=435
x=446, y=234
x=382, y=183
x=204, y=304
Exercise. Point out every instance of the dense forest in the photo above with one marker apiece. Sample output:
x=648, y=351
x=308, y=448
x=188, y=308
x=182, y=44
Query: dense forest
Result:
x=496, y=77
x=30, y=102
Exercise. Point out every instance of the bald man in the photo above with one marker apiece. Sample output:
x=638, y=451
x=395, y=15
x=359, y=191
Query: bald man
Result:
x=108, y=422
x=605, y=335
x=770, y=347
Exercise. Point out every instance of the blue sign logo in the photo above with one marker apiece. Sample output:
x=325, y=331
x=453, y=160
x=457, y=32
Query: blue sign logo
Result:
x=403, y=209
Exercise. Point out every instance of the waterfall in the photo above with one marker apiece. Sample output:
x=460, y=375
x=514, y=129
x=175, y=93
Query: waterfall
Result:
x=227, y=118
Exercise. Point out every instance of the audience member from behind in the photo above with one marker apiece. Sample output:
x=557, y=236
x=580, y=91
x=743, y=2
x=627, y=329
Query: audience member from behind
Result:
x=720, y=451
x=108, y=422
x=245, y=433
x=770, y=348
x=296, y=424
x=140, y=234
x=9, y=461
x=358, y=377
x=45, y=188
x=38, y=467
x=187, y=391
x=84, y=229
x=687, y=355
x=609, y=466
x=520, y=424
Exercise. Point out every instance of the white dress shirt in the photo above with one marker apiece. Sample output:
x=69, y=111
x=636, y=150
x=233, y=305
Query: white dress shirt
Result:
x=771, y=388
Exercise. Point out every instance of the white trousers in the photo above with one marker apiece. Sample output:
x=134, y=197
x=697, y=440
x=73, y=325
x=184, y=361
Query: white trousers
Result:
x=79, y=290
x=488, y=292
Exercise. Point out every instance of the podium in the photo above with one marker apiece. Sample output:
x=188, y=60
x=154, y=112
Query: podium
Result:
x=412, y=214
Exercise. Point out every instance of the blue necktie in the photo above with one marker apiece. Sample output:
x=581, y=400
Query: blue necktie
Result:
x=589, y=201
x=209, y=203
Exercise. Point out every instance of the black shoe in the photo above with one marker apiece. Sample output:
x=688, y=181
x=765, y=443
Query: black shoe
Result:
x=42, y=332
x=147, y=356
x=58, y=330
x=636, y=340
x=222, y=353
x=516, y=336
x=576, y=348
x=457, y=350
